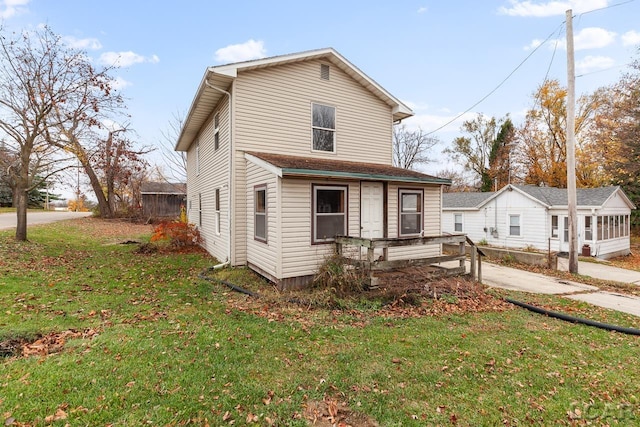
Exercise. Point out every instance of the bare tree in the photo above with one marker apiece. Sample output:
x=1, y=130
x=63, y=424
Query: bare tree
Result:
x=30, y=65
x=411, y=148
x=175, y=161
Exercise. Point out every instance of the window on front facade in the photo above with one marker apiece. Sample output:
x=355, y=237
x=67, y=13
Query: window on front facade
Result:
x=554, y=226
x=260, y=213
x=324, y=128
x=514, y=225
x=329, y=213
x=588, y=229
x=217, y=211
x=410, y=212
x=457, y=222
x=216, y=131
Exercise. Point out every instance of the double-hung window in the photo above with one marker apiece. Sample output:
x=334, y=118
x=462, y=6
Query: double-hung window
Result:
x=217, y=211
x=457, y=222
x=566, y=229
x=216, y=131
x=411, y=211
x=260, y=213
x=323, y=128
x=329, y=212
x=554, y=226
x=514, y=225
x=588, y=229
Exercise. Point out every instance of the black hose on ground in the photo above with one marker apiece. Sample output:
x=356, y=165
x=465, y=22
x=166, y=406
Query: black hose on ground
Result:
x=203, y=276
x=566, y=317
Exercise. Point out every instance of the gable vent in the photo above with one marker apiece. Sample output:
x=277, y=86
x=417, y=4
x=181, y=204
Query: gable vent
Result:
x=324, y=71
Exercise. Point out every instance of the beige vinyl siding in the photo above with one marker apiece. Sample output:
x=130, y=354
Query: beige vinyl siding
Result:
x=431, y=221
x=299, y=256
x=274, y=113
x=213, y=175
x=261, y=254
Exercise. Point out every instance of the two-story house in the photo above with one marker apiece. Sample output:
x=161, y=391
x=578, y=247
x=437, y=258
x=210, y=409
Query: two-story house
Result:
x=285, y=153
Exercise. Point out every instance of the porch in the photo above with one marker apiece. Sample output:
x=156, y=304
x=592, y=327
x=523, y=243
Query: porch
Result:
x=352, y=249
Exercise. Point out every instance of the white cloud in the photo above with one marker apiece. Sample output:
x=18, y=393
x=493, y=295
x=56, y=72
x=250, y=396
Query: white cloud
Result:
x=594, y=63
x=593, y=38
x=550, y=8
x=422, y=9
x=126, y=59
x=10, y=8
x=246, y=51
x=119, y=83
x=587, y=38
x=88, y=43
x=631, y=38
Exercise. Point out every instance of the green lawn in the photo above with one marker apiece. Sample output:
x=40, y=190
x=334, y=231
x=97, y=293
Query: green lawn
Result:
x=172, y=349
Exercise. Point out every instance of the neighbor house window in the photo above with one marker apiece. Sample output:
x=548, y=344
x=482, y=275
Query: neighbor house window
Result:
x=197, y=157
x=410, y=212
x=324, y=128
x=216, y=131
x=217, y=211
x=329, y=213
x=566, y=229
x=554, y=226
x=260, y=213
x=588, y=228
x=457, y=222
x=514, y=225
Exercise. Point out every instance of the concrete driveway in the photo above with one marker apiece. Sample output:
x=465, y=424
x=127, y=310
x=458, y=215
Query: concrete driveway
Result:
x=8, y=220
x=500, y=276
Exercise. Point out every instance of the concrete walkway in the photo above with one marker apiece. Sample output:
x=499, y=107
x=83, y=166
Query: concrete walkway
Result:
x=602, y=271
x=500, y=276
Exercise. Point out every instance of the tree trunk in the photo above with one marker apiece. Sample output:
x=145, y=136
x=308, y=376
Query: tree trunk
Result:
x=103, y=203
x=21, y=211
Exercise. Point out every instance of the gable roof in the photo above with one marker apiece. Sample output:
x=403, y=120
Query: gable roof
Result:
x=549, y=197
x=221, y=77
x=163, y=188
x=285, y=165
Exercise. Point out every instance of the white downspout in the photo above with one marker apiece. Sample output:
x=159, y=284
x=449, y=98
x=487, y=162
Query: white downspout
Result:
x=230, y=174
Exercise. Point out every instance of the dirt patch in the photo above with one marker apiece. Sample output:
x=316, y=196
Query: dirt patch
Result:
x=51, y=343
x=332, y=413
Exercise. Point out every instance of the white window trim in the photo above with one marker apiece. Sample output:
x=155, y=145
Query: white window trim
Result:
x=420, y=193
x=557, y=236
x=334, y=130
x=519, y=216
x=256, y=189
x=217, y=197
x=197, y=157
x=461, y=222
x=314, y=213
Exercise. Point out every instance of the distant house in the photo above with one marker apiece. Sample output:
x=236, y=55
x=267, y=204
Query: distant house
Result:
x=285, y=153
x=521, y=216
x=162, y=199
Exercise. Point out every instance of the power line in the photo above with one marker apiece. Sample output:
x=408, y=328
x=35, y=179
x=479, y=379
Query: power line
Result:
x=500, y=84
x=606, y=7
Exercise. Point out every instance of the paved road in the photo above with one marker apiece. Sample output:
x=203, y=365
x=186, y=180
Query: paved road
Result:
x=8, y=220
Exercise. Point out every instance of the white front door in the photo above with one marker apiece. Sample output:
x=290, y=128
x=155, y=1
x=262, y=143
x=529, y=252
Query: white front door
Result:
x=372, y=211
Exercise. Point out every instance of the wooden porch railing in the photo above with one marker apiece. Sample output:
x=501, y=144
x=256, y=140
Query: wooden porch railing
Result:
x=382, y=263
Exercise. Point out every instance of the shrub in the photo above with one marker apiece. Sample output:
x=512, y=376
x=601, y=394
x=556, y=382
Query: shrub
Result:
x=177, y=233
x=482, y=242
x=340, y=277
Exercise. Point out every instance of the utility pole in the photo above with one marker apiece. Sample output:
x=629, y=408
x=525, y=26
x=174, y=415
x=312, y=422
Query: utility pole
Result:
x=571, y=148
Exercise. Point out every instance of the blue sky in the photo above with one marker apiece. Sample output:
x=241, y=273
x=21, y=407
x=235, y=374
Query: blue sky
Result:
x=439, y=57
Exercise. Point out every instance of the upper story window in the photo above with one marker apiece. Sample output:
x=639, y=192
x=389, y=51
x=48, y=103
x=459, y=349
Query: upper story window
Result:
x=410, y=212
x=198, y=157
x=216, y=131
x=324, y=128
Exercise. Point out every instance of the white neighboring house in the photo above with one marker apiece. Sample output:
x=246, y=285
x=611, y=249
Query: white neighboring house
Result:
x=520, y=216
x=284, y=153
